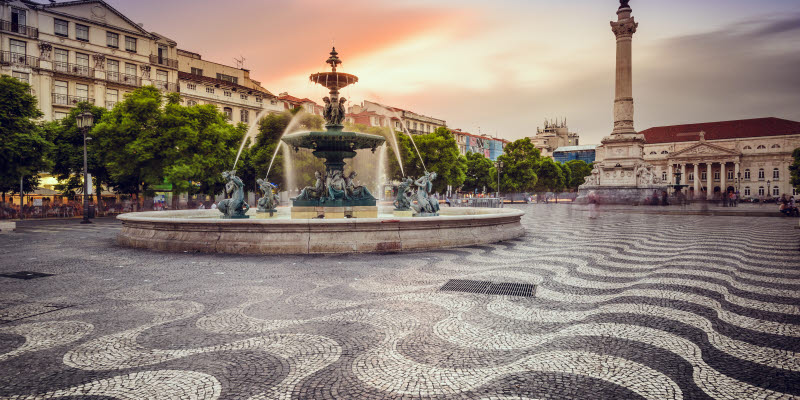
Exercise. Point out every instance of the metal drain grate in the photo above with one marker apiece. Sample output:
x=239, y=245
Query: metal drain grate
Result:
x=26, y=275
x=486, y=287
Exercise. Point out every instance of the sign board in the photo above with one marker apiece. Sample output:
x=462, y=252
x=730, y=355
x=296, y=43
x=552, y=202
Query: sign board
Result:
x=37, y=202
x=89, y=185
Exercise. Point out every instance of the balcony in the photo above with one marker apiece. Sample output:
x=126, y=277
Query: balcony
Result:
x=17, y=59
x=24, y=30
x=73, y=69
x=168, y=86
x=70, y=101
x=124, y=79
x=167, y=62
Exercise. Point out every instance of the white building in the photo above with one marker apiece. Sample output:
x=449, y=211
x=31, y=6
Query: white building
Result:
x=77, y=51
x=417, y=124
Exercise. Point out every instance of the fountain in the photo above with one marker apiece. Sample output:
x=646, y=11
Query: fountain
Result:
x=332, y=215
x=338, y=197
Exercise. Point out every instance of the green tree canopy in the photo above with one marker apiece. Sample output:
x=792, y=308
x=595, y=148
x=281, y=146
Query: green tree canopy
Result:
x=479, y=173
x=795, y=168
x=439, y=151
x=550, y=176
x=518, y=173
x=23, y=144
x=580, y=169
x=567, y=173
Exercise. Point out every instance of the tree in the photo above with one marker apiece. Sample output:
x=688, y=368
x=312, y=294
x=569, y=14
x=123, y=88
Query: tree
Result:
x=23, y=145
x=439, y=152
x=567, y=173
x=518, y=173
x=67, y=152
x=580, y=170
x=479, y=173
x=551, y=179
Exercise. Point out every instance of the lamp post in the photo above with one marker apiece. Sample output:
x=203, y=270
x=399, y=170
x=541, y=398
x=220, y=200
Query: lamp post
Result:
x=499, y=166
x=85, y=120
x=769, y=191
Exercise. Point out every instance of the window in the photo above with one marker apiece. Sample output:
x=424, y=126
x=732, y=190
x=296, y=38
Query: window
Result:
x=61, y=27
x=210, y=90
x=227, y=93
x=776, y=191
x=162, y=76
x=82, y=92
x=112, y=97
x=59, y=115
x=716, y=175
x=191, y=103
x=664, y=152
x=228, y=113
x=776, y=146
x=747, y=174
x=130, y=69
x=664, y=176
x=690, y=177
x=761, y=174
x=760, y=190
x=776, y=174
x=747, y=190
x=761, y=147
x=21, y=76
x=130, y=44
x=19, y=18
x=112, y=39
x=61, y=91
x=245, y=115
x=18, y=47
x=113, y=68
x=703, y=175
x=228, y=78
x=243, y=96
x=652, y=153
x=259, y=100
x=747, y=148
x=794, y=191
x=191, y=86
x=197, y=71
x=730, y=175
x=82, y=32
x=82, y=59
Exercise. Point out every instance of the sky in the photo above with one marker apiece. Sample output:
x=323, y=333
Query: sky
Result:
x=502, y=67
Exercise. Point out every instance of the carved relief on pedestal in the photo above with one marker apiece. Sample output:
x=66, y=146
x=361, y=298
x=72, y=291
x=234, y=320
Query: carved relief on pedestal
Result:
x=625, y=28
x=99, y=61
x=645, y=175
x=45, y=51
x=145, y=71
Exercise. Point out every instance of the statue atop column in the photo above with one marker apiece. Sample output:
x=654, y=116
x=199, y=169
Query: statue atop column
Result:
x=624, y=4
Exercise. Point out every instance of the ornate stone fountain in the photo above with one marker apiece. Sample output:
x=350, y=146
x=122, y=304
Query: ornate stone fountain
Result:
x=335, y=194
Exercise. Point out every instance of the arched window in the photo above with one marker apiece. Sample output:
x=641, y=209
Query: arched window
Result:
x=664, y=152
x=228, y=113
x=747, y=190
x=761, y=174
x=747, y=174
x=761, y=147
x=776, y=174
x=747, y=148
x=776, y=191
x=760, y=190
x=776, y=146
x=652, y=152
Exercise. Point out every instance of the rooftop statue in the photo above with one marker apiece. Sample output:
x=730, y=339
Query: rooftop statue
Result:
x=235, y=207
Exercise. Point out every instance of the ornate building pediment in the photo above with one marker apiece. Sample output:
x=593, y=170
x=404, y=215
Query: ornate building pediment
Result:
x=705, y=150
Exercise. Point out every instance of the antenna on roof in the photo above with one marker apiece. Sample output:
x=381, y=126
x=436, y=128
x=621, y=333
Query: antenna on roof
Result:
x=239, y=62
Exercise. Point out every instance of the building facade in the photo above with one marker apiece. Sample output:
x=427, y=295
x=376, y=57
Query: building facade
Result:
x=77, y=51
x=289, y=102
x=555, y=134
x=490, y=147
x=229, y=88
x=585, y=153
x=416, y=124
x=750, y=156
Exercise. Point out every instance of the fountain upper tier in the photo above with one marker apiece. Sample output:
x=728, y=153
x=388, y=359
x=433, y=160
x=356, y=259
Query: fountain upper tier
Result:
x=333, y=80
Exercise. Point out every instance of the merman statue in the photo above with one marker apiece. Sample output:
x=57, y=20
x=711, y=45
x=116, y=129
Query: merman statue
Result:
x=426, y=205
x=270, y=200
x=403, y=200
x=234, y=207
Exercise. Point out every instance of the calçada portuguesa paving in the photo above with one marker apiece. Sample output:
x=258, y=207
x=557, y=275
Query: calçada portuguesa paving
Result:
x=626, y=306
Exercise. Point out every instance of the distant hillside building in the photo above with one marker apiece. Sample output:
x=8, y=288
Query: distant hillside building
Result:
x=417, y=124
x=229, y=88
x=490, y=147
x=584, y=153
x=554, y=135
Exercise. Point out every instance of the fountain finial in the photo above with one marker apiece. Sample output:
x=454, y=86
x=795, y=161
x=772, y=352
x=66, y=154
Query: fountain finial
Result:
x=334, y=60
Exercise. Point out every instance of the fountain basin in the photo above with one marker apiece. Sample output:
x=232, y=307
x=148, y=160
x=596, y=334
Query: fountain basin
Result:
x=334, y=141
x=204, y=231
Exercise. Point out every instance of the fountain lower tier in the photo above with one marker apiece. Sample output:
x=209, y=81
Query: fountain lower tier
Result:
x=334, y=146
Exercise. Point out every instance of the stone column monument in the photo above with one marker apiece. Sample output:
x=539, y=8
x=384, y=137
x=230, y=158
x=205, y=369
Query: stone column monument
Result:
x=620, y=175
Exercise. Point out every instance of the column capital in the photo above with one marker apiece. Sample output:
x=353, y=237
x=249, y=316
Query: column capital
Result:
x=624, y=28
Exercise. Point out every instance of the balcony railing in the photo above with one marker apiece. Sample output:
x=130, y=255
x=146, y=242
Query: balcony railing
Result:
x=7, y=57
x=125, y=79
x=25, y=30
x=167, y=62
x=73, y=69
x=71, y=101
x=168, y=86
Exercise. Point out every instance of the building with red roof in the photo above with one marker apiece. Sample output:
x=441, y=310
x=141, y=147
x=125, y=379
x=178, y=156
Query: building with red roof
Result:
x=751, y=156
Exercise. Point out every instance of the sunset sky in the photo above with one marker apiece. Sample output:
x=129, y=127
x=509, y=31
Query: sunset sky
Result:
x=504, y=65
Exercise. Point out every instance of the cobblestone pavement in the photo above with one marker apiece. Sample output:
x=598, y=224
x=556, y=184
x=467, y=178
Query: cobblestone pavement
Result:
x=627, y=306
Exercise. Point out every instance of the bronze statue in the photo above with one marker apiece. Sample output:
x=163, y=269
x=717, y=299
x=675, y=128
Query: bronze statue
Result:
x=337, y=188
x=356, y=192
x=235, y=207
x=403, y=200
x=624, y=4
x=426, y=205
x=313, y=192
x=326, y=113
x=270, y=199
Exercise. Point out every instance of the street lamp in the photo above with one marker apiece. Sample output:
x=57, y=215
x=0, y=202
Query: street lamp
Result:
x=769, y=191
x=85, y=120
x=499, y=166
